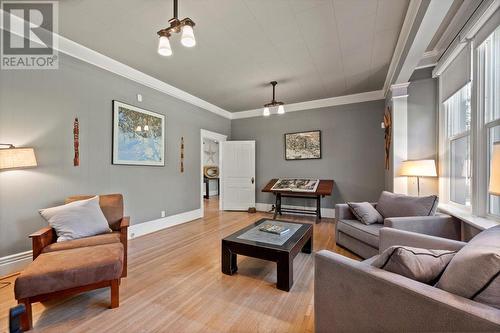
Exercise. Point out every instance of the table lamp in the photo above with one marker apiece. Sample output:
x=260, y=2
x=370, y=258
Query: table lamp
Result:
x=14, y=158
x=494, y=187
x=418, y=168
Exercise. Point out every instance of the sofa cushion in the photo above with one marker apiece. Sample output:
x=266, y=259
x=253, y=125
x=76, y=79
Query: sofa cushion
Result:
x=474, y=272
x=365, y=212
x=398, y=205
x=109, y=238
x=365, y=233
x=77, y=219
x=418, y=264
x=60, y=270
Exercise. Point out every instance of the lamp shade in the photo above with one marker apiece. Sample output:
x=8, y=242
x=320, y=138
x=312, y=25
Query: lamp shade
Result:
x=11, y=158
x=418, y=168
x=495, y=170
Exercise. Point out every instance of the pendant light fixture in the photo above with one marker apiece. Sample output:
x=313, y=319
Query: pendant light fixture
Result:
x=281, y=108
x=185, y=26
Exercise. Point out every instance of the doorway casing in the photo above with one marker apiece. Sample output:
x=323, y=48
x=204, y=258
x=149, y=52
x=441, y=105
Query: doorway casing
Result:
x=205, y=134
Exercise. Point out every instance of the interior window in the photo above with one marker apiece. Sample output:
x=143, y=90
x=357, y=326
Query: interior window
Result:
x=458, y=114
x=490, y=50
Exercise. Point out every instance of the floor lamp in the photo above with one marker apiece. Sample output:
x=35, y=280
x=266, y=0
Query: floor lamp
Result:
x=418, y=168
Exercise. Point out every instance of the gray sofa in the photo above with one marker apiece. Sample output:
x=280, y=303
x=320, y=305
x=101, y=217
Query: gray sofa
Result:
x=352, y=296
x=363, y=239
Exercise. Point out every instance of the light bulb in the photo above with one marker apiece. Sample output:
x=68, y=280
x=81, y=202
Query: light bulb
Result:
x=164, y=48
x=266, y=112
x=281, y=109
x=138, y=129
x=146, y=127
x=187, y=38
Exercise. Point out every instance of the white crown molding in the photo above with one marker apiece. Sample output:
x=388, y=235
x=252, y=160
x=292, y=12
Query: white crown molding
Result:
x=318, y=103
x=411, y=14
x=83, y=53
x=90, y=56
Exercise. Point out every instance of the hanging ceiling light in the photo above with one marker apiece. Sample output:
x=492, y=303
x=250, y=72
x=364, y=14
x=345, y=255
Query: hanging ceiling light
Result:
x=281, y=108
x=185, y=25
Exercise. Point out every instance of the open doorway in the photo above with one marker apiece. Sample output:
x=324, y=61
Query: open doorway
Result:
x=210, y=161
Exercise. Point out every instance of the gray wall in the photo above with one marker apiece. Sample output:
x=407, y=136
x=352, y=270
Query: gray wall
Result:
x=352, y=149
x=37, y=109
x=422, y=126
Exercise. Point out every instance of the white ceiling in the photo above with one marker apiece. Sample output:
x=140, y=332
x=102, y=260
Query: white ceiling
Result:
x=314, y=48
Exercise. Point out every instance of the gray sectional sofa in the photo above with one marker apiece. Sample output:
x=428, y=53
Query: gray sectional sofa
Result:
x=363, y=239
x=353, y=296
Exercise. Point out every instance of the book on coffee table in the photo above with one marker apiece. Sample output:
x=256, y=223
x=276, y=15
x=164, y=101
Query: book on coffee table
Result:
x=274, y=229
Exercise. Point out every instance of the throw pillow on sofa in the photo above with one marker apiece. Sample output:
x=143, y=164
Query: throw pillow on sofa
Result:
x=77, y=219
x=414, y=263
x=474, y=272
x=365, y=212
x=399, y=205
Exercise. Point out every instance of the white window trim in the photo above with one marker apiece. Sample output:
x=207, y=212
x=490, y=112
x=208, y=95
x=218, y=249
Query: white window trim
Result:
x=477, y=214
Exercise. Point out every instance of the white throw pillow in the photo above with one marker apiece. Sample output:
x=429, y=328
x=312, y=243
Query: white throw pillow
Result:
x=77, y=219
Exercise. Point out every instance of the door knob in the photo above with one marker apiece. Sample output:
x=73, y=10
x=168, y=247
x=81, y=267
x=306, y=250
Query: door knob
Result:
x=253, y=180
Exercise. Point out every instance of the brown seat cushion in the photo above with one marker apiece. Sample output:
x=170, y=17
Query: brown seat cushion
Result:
x=60, y=270
x=113, y=237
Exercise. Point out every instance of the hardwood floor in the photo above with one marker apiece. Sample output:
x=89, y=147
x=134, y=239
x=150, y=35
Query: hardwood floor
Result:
x=175, y=284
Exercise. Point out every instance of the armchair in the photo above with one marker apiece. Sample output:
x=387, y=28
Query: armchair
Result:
x=353, y=296
x=45, y=239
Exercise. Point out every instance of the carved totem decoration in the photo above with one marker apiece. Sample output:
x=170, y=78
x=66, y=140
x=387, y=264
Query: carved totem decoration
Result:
x=388, y=136
x=76, y=142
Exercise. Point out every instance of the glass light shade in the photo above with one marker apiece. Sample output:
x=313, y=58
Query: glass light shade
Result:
x=11, y=158
x=164, y=48
x=146, y=127
x=138, y=129
x=187, y=38
x=281, y=109
x=495, y=170
x=266, y=112
x=418, y=168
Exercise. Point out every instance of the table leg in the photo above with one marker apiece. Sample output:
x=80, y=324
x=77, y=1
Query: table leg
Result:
x=228, y=260
x=206, y=196
x=285, y=273
x=307, y=248
x=279, y=204
x=318, y=207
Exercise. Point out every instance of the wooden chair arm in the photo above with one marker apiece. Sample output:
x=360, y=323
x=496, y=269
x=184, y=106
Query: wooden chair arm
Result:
x=125, y=223
x=41, y=239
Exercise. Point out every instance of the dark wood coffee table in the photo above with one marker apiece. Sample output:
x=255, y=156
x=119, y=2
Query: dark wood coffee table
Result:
x=283, y=255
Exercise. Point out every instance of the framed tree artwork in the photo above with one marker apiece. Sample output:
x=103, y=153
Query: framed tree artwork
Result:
x=303, y=145
x=138, y=136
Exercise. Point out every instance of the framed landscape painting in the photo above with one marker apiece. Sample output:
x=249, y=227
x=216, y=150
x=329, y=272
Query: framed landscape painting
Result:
x=138, y=136
x=303, y=145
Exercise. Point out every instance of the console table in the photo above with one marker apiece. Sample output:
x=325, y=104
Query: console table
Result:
x=325, y=188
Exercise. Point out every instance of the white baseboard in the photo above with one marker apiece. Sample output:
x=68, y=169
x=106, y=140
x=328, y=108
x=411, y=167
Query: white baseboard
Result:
x=18, y=261
x=325, y=212
x=145, y=228
x=15, y=262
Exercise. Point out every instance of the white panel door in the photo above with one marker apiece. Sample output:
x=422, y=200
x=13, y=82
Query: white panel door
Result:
x=238, y=174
